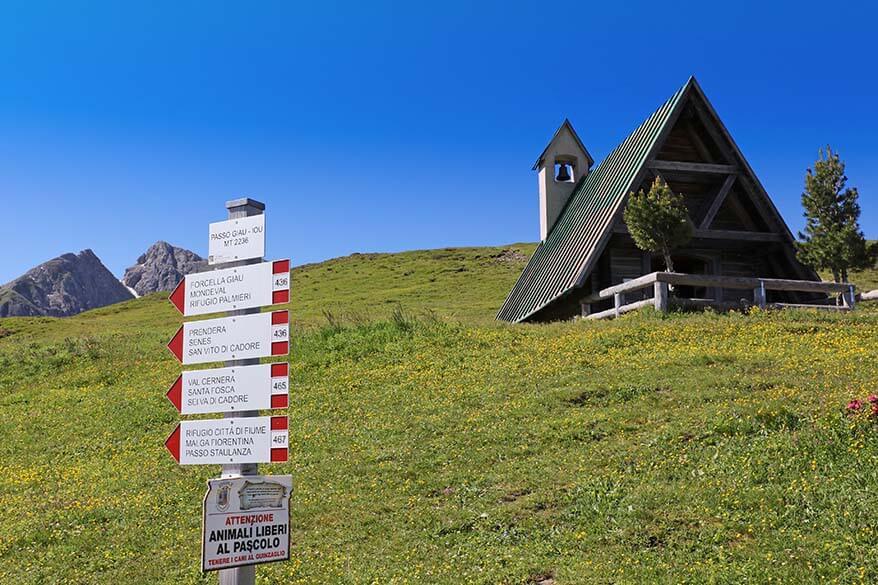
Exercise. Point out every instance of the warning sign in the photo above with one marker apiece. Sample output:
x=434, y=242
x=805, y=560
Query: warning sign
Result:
x=246, y=521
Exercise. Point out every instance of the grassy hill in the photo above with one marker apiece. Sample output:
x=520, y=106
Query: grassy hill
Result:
x=432, y=445
x=462, y=284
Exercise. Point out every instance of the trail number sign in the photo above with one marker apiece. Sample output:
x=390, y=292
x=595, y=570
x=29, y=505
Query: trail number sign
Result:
x=236, y=388
x=232, y=289
x=254, y=439
x=232, y=338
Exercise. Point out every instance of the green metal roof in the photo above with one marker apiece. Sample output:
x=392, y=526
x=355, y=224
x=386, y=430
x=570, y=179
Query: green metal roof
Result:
x=564, y=259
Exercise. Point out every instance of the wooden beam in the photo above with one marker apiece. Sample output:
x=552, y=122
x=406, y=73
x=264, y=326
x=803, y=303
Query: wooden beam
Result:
x=804, y=285
x=691, y=167
x=717, y=201
x=616, y=311
x=698, y=143
x=744, y=215
x=738, y=235
x=748, y=282
x=708, y=280
x=759, y=296
x=803, y=306
x=721, y=138
x=660, y=296
x=709, y=234
x=659, y=176
x=720, y=135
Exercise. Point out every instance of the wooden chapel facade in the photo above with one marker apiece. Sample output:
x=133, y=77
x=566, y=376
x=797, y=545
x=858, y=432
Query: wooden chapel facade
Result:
x=586, y=246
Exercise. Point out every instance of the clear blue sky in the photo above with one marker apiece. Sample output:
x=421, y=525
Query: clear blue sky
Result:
x=389, y=126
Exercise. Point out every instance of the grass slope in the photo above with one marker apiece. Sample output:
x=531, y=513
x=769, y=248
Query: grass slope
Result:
x=688, y=448
x=464, y=284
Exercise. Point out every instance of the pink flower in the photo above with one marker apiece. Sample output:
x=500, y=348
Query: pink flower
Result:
x=855, y=404
x=873, y=398
x=874, y=411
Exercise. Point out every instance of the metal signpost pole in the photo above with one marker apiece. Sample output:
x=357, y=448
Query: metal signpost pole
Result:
x=237, y=209
x=242, y=438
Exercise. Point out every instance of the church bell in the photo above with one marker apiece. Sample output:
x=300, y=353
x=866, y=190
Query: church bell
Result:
x=563, y=173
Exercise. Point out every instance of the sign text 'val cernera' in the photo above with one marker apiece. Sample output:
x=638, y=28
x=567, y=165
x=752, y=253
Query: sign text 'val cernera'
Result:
x=246, y=516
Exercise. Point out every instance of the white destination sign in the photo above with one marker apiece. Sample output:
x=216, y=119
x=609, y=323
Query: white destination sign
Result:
x=237, y=388
x=246, y=521
x=256, y=439
x=232, y=338
x=236, y=239
x=230, y=289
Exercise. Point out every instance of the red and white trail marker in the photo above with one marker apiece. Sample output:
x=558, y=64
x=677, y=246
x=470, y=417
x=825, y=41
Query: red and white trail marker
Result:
x=232, y=389
x=232, y=338
x=232, y=289
x=257, y=439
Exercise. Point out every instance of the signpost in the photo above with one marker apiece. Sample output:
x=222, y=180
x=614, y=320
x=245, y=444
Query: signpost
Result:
x=246, y=516
x=260, y=387
x=255, y=439
x=246, y=521
x=232, y=338
x=238, y=238
x=230, y=289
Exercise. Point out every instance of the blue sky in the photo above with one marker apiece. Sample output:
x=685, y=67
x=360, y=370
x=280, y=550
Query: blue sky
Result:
x=389, y=126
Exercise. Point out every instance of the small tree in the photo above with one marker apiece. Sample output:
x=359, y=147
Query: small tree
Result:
x=658, y=221
x=832, y=240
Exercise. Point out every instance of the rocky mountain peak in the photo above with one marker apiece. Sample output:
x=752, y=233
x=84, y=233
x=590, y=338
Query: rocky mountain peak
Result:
x=161, y=267
x=63, y=286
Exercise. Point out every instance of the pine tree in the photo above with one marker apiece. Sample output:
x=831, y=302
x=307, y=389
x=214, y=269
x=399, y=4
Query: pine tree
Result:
x=658, y=221
x=832, y=240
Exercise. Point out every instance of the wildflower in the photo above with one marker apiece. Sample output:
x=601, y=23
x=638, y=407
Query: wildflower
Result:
x=874, y=410
x=873, y=399
x=854, y=405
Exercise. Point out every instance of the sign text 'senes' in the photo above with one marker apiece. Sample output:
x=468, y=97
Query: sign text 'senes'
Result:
x=232, y=338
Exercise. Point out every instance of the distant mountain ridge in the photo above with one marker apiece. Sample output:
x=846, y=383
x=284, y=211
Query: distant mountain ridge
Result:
x=62, y=286
x=161, y=267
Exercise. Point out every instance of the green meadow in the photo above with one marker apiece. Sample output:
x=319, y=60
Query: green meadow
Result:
x=430, y=444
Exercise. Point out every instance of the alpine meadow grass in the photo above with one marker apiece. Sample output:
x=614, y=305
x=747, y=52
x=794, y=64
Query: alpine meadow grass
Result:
x=430, y=444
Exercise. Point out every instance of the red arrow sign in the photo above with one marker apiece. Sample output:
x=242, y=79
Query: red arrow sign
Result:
x=231, y=289
x=232, y=338
x=175, y=393
x=178, y=295
x=268, y=438
x=258, y=387
x=173, y=443
x=176, y=344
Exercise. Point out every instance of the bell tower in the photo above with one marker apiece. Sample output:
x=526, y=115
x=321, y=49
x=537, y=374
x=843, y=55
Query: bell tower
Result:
x=562, y=164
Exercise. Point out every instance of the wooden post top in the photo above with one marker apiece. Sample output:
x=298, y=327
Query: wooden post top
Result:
x=245, y=202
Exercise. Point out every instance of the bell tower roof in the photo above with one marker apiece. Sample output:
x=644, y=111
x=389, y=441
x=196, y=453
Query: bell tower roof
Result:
x=565, y=127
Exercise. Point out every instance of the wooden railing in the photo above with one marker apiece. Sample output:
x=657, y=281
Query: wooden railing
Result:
x=660, y=282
